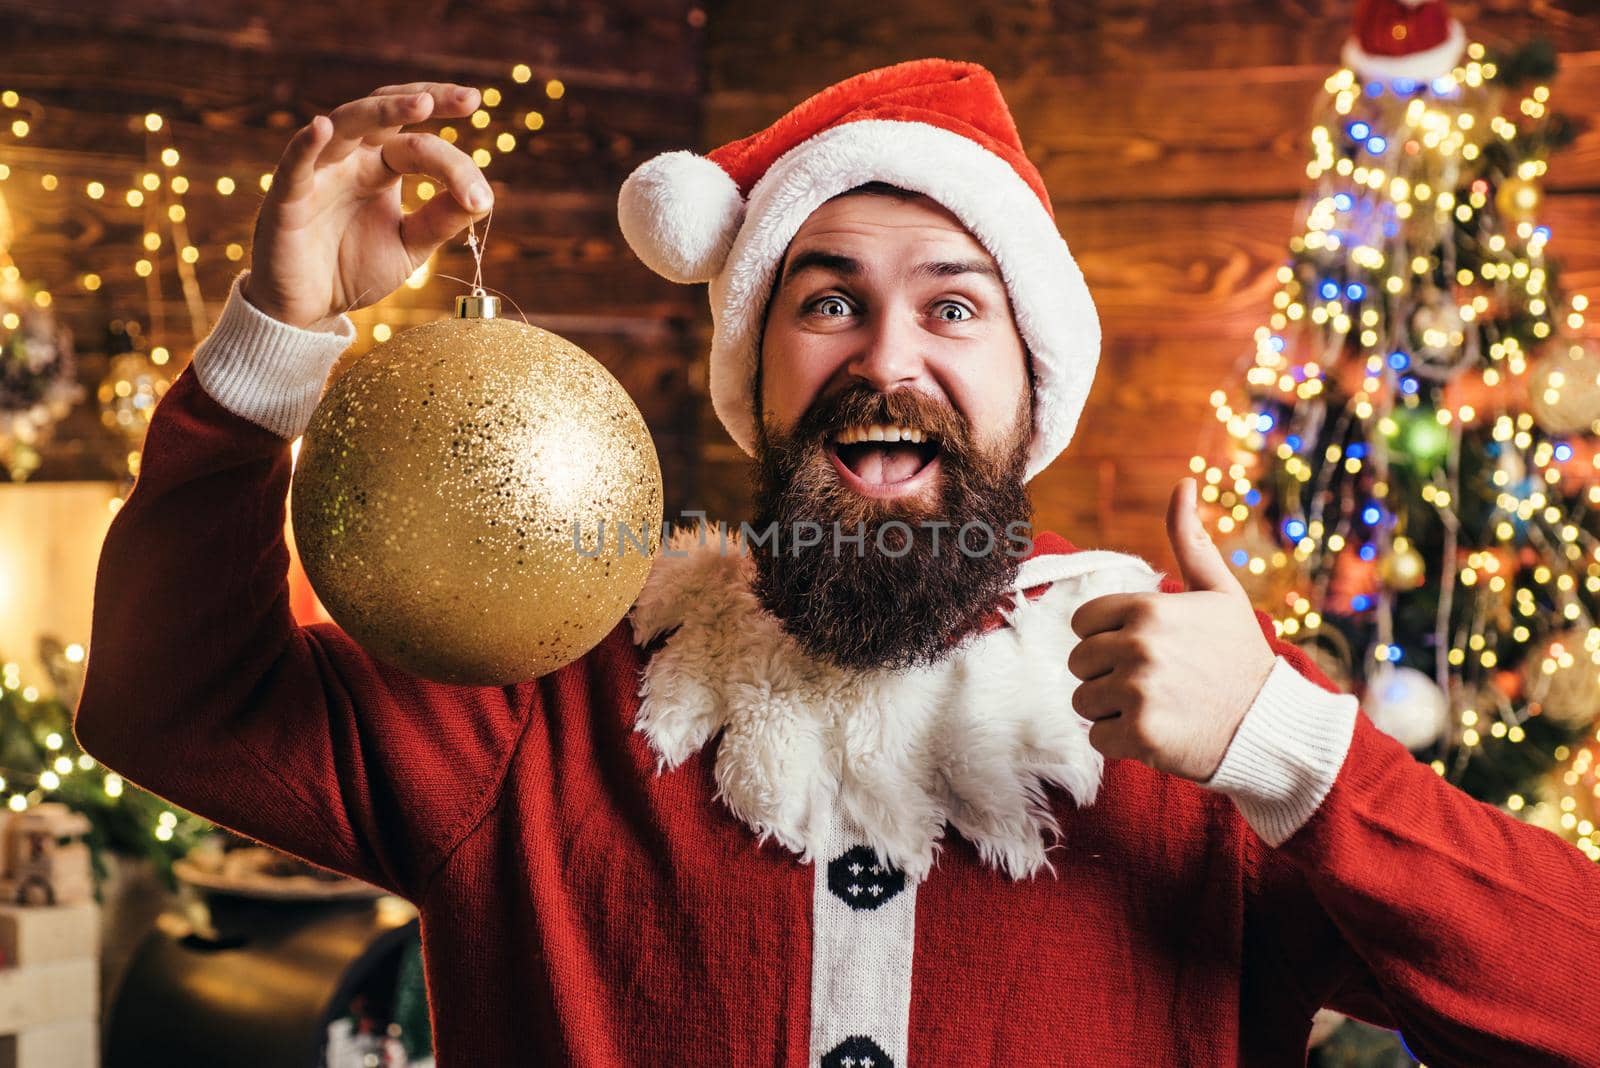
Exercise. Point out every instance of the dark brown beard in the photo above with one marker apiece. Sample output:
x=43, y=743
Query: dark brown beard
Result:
x=865, y=608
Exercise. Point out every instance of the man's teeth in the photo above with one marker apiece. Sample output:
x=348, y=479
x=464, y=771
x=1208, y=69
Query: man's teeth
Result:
x=880, y=432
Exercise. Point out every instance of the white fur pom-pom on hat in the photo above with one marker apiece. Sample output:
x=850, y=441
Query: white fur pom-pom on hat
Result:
x=679, y=213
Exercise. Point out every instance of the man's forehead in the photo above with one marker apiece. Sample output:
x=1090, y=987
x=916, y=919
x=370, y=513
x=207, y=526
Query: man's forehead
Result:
x=913, y=215
x=865, y=233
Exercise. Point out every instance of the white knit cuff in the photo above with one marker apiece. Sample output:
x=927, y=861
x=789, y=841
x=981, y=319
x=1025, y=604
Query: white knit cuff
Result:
x=267, y=371
x=1286, y=753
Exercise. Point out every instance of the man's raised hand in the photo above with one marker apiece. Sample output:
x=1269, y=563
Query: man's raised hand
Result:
x=331, y=235
x=1167, y=677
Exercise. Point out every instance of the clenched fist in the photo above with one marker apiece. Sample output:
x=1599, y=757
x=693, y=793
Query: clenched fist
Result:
x=1167, y=677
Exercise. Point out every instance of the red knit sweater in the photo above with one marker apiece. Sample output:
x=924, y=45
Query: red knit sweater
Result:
x=579, y=907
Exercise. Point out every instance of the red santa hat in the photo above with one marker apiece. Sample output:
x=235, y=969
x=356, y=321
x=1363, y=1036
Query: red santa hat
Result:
x=1413, y=40
x=932, y=126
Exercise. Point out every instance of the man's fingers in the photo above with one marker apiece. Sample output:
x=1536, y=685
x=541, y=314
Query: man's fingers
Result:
x=443, y=217
x=1199, y=561
x=298, y=163
x=432, y=225
x=450, y=101
x=419, y=153
x=372, y=120
x=1097, y=655
x=376, y=118
x=1113, y=739
x=1099, y=698
x=1109, y=612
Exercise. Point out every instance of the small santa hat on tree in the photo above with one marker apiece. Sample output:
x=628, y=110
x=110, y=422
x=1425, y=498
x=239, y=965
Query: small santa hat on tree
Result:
x=933, y=126
x=1404, y=40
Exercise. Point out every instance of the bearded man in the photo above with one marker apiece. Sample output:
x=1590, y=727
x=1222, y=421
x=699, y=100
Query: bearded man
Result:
x=881, y=778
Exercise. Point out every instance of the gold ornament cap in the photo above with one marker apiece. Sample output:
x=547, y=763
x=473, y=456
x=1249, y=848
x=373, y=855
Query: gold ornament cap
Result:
x=477, y=306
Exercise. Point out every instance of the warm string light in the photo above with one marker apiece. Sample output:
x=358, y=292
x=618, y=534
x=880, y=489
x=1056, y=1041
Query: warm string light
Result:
x=10, y=276
x=158, y=191
x=499, y=129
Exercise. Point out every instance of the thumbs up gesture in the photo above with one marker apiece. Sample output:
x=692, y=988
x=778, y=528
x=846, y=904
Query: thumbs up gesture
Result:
x=1167, y=677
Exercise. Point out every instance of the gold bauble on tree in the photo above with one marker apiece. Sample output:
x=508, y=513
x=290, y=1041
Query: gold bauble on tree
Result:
x=449, y=495
x=1564, y=390
x=1265, y=571
x=1402, y=568
x=1519, y=199
x=1562, y=677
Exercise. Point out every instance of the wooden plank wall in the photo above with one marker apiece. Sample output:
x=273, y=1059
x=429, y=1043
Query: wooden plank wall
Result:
x=1171, y=136
x=233, y=79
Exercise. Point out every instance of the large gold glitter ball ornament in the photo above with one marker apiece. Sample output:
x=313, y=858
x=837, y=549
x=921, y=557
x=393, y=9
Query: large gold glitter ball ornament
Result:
x=477, y=500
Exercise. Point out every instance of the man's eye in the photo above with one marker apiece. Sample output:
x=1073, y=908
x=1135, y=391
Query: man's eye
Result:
x=832, y=307
x=953, y=311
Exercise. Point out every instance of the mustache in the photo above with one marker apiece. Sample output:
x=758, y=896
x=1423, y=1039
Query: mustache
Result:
x=859, y=403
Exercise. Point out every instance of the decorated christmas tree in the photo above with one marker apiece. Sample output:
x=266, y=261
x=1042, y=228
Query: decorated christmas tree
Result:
x=1407, y=478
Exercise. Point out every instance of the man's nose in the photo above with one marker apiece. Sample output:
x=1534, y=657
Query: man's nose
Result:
x=890, y=354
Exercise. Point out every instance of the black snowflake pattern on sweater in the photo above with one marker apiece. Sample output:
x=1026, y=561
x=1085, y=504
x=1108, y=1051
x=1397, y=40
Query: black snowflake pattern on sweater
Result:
x=857, y=1051
x=859, y=880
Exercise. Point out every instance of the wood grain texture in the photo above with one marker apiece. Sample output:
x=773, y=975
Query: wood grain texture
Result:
x=770, y=47
x=1183, y=134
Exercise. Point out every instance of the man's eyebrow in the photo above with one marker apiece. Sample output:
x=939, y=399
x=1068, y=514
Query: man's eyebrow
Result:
x=841, y=264
x=951, y=268
x=837, y=262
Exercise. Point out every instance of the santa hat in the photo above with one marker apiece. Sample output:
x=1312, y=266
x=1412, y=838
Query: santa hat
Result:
x=1410, y=40
x=932, y=126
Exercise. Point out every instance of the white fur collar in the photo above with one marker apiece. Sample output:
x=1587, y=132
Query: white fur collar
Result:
x=971, y=740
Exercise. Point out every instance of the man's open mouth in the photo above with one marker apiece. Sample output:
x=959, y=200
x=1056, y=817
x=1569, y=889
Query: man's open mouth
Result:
x=882, y=454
